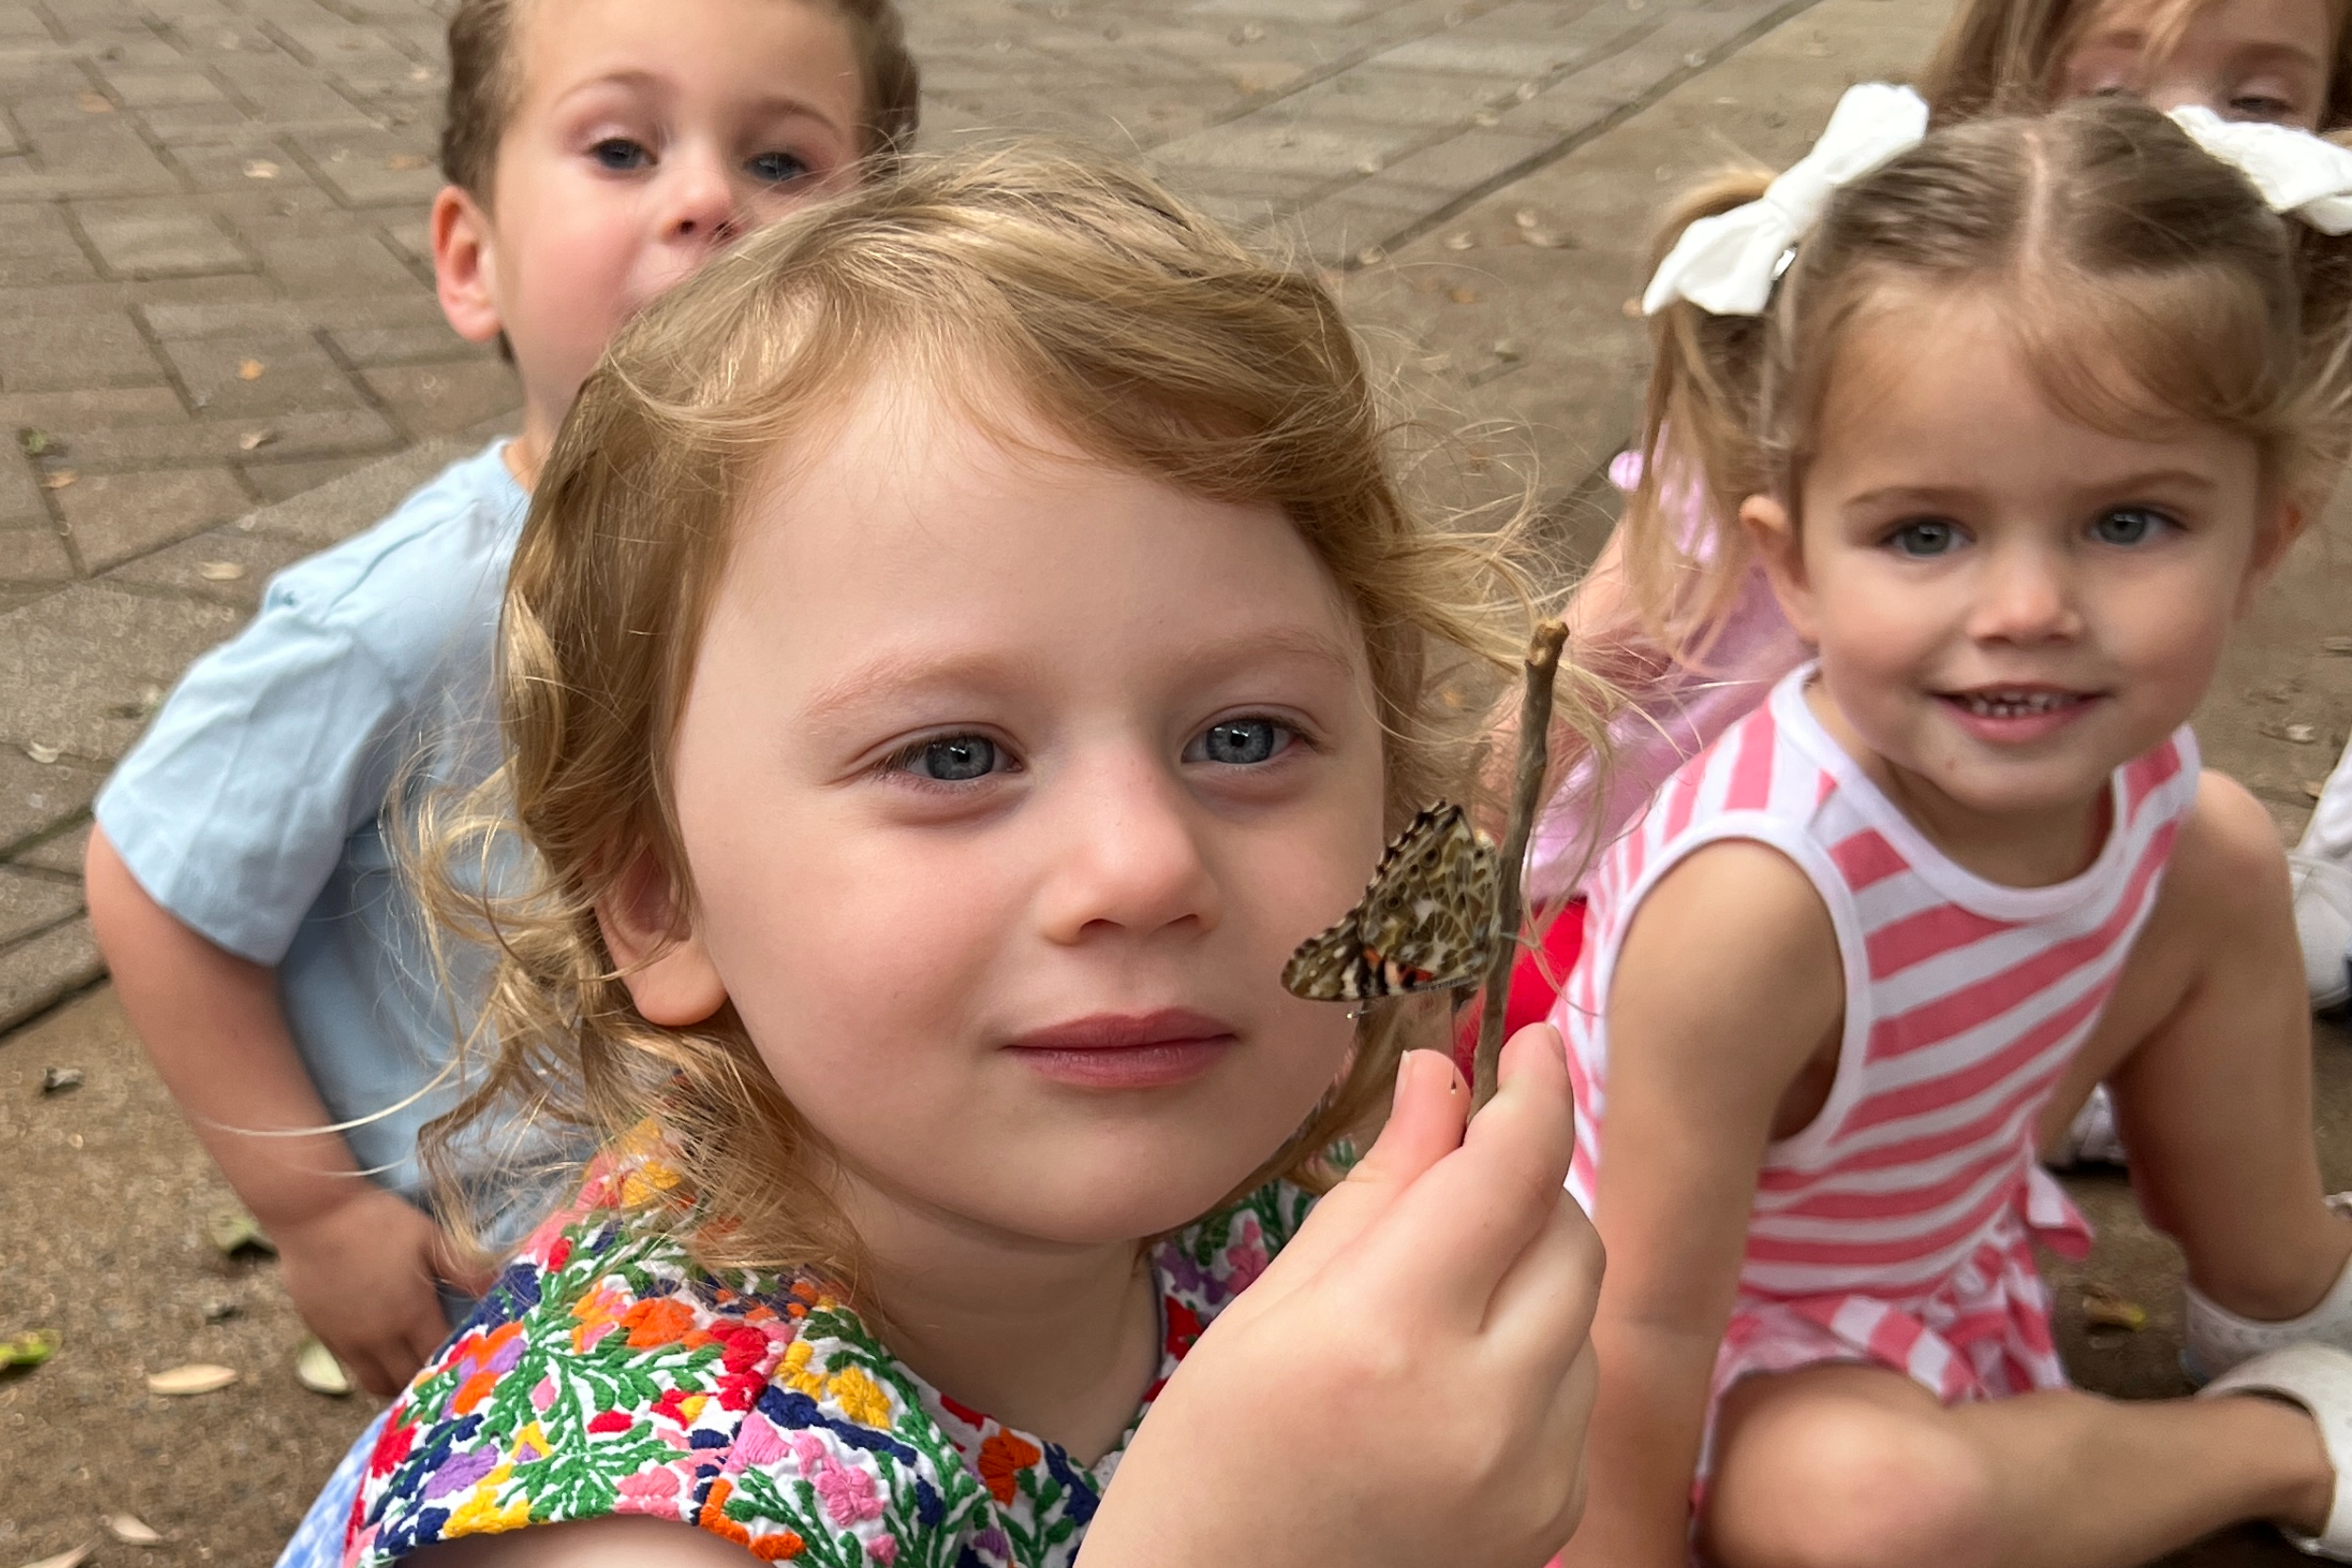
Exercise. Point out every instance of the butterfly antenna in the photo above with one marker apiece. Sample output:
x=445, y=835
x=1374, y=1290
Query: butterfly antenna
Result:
x=1542, y=663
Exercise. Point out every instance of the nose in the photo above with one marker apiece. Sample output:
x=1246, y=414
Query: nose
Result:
x=700, y=204
x=2025, y=596
x=1128, y=857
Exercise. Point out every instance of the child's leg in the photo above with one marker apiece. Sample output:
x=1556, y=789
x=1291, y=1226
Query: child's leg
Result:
x=1858, y=1467
x=2207, y=1046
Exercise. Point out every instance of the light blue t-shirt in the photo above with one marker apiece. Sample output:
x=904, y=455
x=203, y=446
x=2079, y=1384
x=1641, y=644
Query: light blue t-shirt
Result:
x=253, y=808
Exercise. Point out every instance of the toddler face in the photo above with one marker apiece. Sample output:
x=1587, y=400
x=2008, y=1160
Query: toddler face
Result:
x=2244, y=59
x=645, y=137
x=1008, y=782
x=2008, y=604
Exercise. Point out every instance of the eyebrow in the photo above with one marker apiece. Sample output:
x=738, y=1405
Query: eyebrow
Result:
x=1945, y=495
x=766, y=103
x=924, y=672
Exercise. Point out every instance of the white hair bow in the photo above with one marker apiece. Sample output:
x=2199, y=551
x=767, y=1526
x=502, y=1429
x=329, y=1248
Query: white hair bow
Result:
x=2295, y=171
x=1726, y=264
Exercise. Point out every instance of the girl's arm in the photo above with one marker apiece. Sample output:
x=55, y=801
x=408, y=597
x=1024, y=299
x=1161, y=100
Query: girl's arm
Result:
x=1728, y=986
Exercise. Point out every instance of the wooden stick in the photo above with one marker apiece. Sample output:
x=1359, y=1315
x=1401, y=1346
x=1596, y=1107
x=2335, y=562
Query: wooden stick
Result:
x=1542, y=663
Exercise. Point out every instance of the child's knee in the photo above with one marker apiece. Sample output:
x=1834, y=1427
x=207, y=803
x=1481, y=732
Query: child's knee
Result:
x=1848, y=1484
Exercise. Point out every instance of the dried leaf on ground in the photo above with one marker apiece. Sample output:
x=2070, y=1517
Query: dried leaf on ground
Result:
x=29, y=1348
x=68, y=1560
x=232, y=1230
x=260, y=169
x=1525, y=218
x=249, y=370
x=2104, y=1307
x=1507, y=349
x=316, y=1368
x=219, y=571
x=57, y=1080
x=197, y=1377
x=1547, y=240
x=131, y=1530
x=255, y=440
x=44, y=756
x=2297, y=734
x=58, y=479
x=220, y=1312
x=1370, y=255
x=1461, y=242
x=94, y=103
x=1462, y=295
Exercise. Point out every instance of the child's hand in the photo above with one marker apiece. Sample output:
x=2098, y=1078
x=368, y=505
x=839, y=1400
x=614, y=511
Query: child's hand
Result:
x=362, y=1273
x=1410, y=1382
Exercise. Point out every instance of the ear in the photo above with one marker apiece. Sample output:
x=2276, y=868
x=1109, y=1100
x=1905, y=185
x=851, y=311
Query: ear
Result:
x=464, y=264
x=1774, y=533
x=2276, y=528
x=663, y=961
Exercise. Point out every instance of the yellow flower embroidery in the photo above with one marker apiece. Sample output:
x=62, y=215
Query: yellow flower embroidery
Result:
x=481, y=1514
x=860, y=1397
x=530, y=1444
x=646, y=1181
x=794, y=1372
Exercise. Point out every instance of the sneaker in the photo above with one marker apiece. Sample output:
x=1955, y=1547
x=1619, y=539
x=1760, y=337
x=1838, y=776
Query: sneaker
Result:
x=2214, y=1339
x=2323, y=891
x=2318, y=1378
x=2092, y=1139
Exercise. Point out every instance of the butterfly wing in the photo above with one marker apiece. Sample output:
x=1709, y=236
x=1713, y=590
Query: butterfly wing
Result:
x=1427, y=922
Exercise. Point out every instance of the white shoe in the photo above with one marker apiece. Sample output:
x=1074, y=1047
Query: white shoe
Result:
x=2214, y=1339
x=2318, y=1378
x=2323, y=891
x=2091, y=1138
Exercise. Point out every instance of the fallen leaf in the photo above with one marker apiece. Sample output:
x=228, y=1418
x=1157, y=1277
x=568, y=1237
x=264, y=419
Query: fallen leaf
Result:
x=2296, y=734
x=2315, y=788
x=249, y=370
x=93, y=103
x=418, y=73
x=1507, y=349
x=59, y=479
x=1459, y=242
x=219, y=571
x=406, y=159
x=29, y=1348
x=197, y=1377
x=260, y=169
x=220, y=1312
x=1525, y=218
x=1485, y=117
x=44, y=756
x=2339, y=646
x=1544, y=240
x=1462, y=295
x=232, y=1231
x=68, y=1560
x=1368, y=165
x=131, y=1531
x=57, y=1080
x=316, y=1368
x=1370, y=255
x=2105, y=1308
x=34, y=442
x=255, y=440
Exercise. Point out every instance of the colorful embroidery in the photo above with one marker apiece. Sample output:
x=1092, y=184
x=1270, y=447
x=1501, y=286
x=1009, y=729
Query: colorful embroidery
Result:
x=1427, y=922
x=605, y=1374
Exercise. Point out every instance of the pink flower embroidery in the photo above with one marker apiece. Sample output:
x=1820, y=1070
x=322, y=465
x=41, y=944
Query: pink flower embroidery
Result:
x=653, y=1491
x=849, y=1494
x=1246, y=1258
x=883, y=1549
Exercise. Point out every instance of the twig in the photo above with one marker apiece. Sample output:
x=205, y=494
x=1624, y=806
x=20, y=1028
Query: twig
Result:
x=1542, y=663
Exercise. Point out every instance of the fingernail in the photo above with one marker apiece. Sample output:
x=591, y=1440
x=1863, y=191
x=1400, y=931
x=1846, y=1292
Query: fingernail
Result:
x=1454, y=1084
x=1405, y=1070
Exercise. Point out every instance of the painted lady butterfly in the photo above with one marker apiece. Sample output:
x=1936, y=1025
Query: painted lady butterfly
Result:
x=1427, y=922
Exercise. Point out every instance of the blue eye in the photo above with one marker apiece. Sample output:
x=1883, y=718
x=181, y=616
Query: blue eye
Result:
x=620, y=154
x=777, y=169
x=2128, y=525
x=1925, y=538
x=1240, y=742
x=952, y=759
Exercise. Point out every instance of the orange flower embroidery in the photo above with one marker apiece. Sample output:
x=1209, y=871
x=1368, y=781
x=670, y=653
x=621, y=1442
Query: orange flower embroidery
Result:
x=712, y=1519
x=662, y=1320
x=774, y=1548
x=1002, y=1457
x=472, y=1392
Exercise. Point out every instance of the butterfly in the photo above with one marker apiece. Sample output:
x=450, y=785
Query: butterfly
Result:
x=1427, y=922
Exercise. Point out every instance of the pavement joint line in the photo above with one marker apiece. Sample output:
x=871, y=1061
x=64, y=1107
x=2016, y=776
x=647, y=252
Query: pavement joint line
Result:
x=1462, y=202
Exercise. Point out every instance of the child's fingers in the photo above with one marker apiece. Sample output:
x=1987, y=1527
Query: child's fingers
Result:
x=1424, y=1125
x=1460, y=1228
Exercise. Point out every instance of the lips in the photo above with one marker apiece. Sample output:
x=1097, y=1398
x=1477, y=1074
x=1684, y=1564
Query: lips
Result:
x=2015, y=714
x=1135, y=1050
x=2017, y=701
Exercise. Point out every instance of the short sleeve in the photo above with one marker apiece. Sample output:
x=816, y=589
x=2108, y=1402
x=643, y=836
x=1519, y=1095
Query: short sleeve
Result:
x=235, y=807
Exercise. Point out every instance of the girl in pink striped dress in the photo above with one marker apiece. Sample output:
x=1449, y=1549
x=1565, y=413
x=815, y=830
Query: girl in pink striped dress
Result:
x=2017, y=416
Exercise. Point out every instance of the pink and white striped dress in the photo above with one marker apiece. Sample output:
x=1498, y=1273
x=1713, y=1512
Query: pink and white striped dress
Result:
x=1896, y=1229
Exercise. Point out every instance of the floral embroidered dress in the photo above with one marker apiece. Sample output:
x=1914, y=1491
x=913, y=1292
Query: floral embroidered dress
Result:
x=606, y=1373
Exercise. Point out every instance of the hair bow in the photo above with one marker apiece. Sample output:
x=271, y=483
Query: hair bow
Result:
x=1726, y=264
x=2295, y=171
